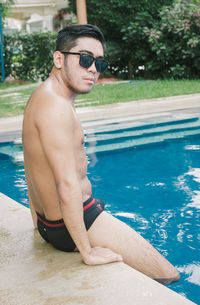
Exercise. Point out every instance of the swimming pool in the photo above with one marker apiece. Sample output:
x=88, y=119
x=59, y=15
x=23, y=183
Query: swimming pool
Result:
x=148, y=174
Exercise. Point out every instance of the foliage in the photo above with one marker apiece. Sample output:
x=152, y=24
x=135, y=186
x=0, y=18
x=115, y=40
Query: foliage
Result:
x=29, y=56
x=123, y=23
x=149, y=39
x=176, y=42
x=5, y=7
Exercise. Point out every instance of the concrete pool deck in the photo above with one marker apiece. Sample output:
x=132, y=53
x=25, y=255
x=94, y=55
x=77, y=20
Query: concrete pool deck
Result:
x=13, y=125
x=34, y=273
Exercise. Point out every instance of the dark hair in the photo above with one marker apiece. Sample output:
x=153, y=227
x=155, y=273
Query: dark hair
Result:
x=67, y=37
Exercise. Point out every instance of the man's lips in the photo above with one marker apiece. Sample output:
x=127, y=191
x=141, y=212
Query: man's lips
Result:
x=90, y=79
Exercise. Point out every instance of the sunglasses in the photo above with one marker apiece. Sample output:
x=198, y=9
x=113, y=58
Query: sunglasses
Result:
x=87, y=60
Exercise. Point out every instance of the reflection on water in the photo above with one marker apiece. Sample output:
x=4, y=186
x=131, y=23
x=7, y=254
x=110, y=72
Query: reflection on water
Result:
x=184, y=183
x=142, y=222
x=192, y=147
x=192, y=272
x=195, y=200
x=93, y=157
x=184, y=180
x=195, y=172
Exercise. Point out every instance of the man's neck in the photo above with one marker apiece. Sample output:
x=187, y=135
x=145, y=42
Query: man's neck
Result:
x=61, y=87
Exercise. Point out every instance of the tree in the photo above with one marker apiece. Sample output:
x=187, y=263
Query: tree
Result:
x=125, y=24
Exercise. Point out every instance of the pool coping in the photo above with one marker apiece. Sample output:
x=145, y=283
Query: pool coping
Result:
x=114, y=111
x=34, y=273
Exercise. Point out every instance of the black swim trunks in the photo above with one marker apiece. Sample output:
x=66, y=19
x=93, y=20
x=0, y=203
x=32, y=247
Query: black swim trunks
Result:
x=56, y=233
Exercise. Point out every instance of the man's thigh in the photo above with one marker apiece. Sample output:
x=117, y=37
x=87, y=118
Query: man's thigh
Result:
x=109, y=232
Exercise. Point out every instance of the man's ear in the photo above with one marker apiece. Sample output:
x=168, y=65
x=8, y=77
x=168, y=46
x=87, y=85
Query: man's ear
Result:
x=57, y=59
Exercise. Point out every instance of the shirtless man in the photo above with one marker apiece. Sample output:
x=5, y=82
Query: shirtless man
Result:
x=60, y=194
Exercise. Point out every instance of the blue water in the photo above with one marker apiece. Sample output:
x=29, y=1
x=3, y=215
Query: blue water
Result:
x=155, y=189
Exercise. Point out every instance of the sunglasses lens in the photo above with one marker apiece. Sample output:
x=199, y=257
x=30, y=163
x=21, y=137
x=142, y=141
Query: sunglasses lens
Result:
x=101, y=65
x=86, y=61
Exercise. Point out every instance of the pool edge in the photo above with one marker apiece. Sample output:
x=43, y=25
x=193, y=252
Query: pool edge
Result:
x=33, y=272
x=116, y=110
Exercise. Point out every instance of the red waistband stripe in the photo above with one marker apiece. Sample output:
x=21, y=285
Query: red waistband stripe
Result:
x=89, y=204
x=61, y=224
x=53, y=225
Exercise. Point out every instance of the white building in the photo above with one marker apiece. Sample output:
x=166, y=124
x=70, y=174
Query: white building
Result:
x=37, y=15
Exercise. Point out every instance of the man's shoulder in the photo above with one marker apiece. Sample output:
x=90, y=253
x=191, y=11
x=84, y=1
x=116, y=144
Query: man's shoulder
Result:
x=46, y=107
x=45, y=99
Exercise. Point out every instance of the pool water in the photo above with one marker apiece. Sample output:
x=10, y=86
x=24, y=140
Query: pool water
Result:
x=154, y=188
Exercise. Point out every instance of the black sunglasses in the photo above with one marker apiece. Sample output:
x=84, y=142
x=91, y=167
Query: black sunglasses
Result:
x=87, y=60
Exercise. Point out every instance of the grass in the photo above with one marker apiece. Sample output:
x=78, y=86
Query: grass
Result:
x=6, y=86
x=138, y=90
x=13, y=102
x=12, y=85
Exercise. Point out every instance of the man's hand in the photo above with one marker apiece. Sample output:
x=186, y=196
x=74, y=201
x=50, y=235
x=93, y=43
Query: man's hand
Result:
x=100, y=256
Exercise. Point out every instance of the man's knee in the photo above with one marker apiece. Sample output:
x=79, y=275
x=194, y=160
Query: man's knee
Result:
x=169, y=280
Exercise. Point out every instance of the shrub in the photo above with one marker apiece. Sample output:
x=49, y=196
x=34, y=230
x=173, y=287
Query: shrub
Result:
x=176, y=42
x=29, y=56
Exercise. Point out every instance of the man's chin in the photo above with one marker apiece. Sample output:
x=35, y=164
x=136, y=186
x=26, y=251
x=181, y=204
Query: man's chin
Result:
x=80, y=89
x=84, y=90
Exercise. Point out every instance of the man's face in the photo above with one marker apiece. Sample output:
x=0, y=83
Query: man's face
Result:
x=79, y=79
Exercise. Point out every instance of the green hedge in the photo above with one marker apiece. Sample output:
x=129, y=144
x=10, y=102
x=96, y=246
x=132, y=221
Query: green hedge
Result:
x=29, y=56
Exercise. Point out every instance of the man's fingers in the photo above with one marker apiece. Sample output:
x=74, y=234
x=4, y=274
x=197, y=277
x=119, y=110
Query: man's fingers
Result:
x=111, y=256
x=119, y=258
x=100, y=256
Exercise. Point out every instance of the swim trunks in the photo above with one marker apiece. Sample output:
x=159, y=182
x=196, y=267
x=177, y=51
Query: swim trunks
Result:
x=56, y=233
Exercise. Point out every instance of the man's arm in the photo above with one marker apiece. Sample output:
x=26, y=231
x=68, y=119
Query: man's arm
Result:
x=33, y=213
x=56, y=129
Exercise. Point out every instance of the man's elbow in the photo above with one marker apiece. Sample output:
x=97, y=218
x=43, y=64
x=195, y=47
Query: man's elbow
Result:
x=67, y=189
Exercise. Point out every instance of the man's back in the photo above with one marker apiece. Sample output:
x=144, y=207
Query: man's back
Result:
x=43, y=109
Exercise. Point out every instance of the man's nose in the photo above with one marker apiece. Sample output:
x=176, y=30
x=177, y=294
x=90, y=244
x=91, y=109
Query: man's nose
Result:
x=92, y=68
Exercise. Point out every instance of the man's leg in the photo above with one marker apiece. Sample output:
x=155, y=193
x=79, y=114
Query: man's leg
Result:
x=109, y=232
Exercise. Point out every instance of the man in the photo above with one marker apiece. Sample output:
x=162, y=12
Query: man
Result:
x=60, y=193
